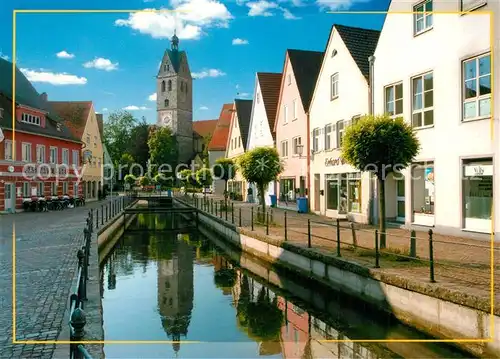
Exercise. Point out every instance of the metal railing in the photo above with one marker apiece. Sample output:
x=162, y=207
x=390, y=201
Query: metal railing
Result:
x=109, y=210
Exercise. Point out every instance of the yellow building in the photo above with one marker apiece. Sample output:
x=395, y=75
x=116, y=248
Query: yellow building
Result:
x=80, y=118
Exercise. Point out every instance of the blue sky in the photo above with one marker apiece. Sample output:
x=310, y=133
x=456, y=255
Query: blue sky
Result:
x=112, y=59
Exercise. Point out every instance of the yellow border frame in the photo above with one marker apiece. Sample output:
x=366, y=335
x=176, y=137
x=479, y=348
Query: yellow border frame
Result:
x=492, y=237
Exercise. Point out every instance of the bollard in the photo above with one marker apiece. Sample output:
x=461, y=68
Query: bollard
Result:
x=240, y=215
x=232, y=212
x=431, y=258
x=77, y=321
x=354, y=239
x=413, y=244
x=377, y=253
x=286, y=235
x=338, y=238
x=308, y=233
x=267, y=223
x=252, y=217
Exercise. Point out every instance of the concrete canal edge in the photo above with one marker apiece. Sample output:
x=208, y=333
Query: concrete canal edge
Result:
x=438, y=311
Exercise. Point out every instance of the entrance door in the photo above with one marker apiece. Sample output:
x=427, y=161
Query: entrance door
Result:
x=316, y=192
x=10, y=198
x=400, y=200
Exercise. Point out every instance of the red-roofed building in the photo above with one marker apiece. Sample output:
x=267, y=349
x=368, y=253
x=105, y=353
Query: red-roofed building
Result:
x=218, y=143
x=202, y=134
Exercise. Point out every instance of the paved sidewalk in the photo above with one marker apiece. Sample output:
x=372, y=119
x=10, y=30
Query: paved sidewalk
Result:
x=46, y=246
x=461, y=264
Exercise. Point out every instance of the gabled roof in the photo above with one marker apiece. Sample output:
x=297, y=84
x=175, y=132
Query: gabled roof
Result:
x=270, y=84
x=244, y=113
x=360, y=42
x=204, y=128
x=74, y=114
x=100, y=124
x=221, y=132
x=306, y=66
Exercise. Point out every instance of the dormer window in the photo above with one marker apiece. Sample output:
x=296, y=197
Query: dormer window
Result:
x=31, y=119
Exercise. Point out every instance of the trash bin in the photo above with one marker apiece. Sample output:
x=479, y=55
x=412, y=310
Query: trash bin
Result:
x=273, y=200
x=302, y=204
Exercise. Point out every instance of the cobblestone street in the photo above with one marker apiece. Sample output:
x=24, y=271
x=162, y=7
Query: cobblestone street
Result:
x=46, y=246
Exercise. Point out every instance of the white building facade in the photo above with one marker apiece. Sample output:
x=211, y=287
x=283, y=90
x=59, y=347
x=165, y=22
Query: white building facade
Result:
x=261, y=133
x=435, y=70
x=340, y=98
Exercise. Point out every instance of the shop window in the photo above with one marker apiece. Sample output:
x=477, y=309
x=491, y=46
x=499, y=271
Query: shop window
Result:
x=332, y=192
x=343, y=192
x=477, y=194
x=423, y=188
x=287, y=189
x=40, y=189
x=354, y=192
x=26, y=189
x=65, y=188
x=53, y=188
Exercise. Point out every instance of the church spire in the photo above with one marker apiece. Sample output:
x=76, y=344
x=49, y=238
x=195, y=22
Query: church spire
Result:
x=175, y=42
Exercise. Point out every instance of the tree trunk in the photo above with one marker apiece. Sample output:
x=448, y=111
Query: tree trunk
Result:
x=262, y=201
x=381, y=210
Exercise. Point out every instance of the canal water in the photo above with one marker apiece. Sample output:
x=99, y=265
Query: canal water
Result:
x=185, y=286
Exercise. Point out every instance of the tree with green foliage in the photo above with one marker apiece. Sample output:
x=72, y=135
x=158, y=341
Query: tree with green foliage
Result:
x=163, y=181
x=138, y=142
x=117, y=133
x=261, y=166
x=204, y=177
x=144, y=181
x=188, y=179
x=382, y=146
x=130, y=179
x=124, y=163
x=162, y=148
x=224, y=169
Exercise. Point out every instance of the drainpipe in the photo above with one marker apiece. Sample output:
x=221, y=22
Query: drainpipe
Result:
x=373, y=190
x=308, y=180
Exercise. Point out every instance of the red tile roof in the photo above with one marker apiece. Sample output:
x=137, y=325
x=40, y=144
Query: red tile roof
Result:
x=270, y=85
x=205, y=128
x=74, y=115
x=221, y=133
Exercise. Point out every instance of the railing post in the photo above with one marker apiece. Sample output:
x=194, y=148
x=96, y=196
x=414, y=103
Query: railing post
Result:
x=232, y=212
x=286, y=232
x=377, y=253
x=102, y=214
x=215, y=213
x=252, y=216
x=78, y=321
x=212, y=206
x=197, y=218
x=338, y=238
x=225, y=205
x=220, y=211
x=106, y=212
x=97, y=218
x=308, y=233
x=240, y=215
x=431, y=257
x=413, y=244
x=267, y=223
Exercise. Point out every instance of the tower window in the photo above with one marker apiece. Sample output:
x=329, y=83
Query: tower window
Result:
x=164, y=67
x=186, y=88
x=182, y=86
x=166, y=102
x=168, y=67
x=163, y=86
x=170, y=85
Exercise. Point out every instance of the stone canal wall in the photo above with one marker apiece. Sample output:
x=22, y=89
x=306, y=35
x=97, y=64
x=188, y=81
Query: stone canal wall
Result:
x=427, y=312
x=108, y=235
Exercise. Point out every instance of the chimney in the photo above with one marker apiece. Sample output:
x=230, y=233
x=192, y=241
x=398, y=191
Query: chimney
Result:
x=44, y=97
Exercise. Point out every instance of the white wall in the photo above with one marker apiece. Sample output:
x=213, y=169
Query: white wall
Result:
x=353, y=100
x=218, y=185
x=399, y=56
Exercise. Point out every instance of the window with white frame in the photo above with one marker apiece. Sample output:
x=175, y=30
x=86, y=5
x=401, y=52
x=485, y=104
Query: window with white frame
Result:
x=297, y=141
x=31, y=119
x=284, y=148
x=422, y=17
x=334, y=86
x=355, y=119
x=88, y=139
x=26, y=189
x=26, y=152
x=476, y=79
x=65, y=188
x=295, y=114
x=469, y=5
x=329, y=130
x=39, y=190
x=340, y=133
x=40, y=153
x=75, y=189
x=65, y=156
x=285, y=109
x=423, y=100
x=8, y=149
x=76, y=157
x=53, y=155
x=315, y=139
x=393, y=99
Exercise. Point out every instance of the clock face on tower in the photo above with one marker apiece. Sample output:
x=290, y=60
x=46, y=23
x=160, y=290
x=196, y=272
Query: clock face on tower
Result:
x=167, y=118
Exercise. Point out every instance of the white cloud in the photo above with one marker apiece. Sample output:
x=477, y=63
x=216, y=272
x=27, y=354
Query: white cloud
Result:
x=65, y=55
x=101, y=64
x=53, y=78
x=189, y=19
x=239, y=41
x=152, y=97
x=243, y=94
x=3, y=56
x=134, y=108
x=261, y=8
x=336, y=5
x=288, y=15
x=104, y=109
x=203, y=108
x=207, y=73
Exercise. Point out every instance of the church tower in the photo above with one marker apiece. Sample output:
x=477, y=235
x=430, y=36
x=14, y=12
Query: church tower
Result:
x=174, y=98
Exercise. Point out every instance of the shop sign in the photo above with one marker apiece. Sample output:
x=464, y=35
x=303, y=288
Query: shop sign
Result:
x=478, y=170
x=332, y=161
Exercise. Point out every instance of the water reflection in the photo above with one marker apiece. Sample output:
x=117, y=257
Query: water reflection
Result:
x=169, y=286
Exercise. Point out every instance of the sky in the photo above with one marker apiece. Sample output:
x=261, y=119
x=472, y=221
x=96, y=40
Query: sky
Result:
x=112, y=58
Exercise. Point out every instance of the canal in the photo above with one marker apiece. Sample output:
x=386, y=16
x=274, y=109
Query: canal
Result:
x=183, y=286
